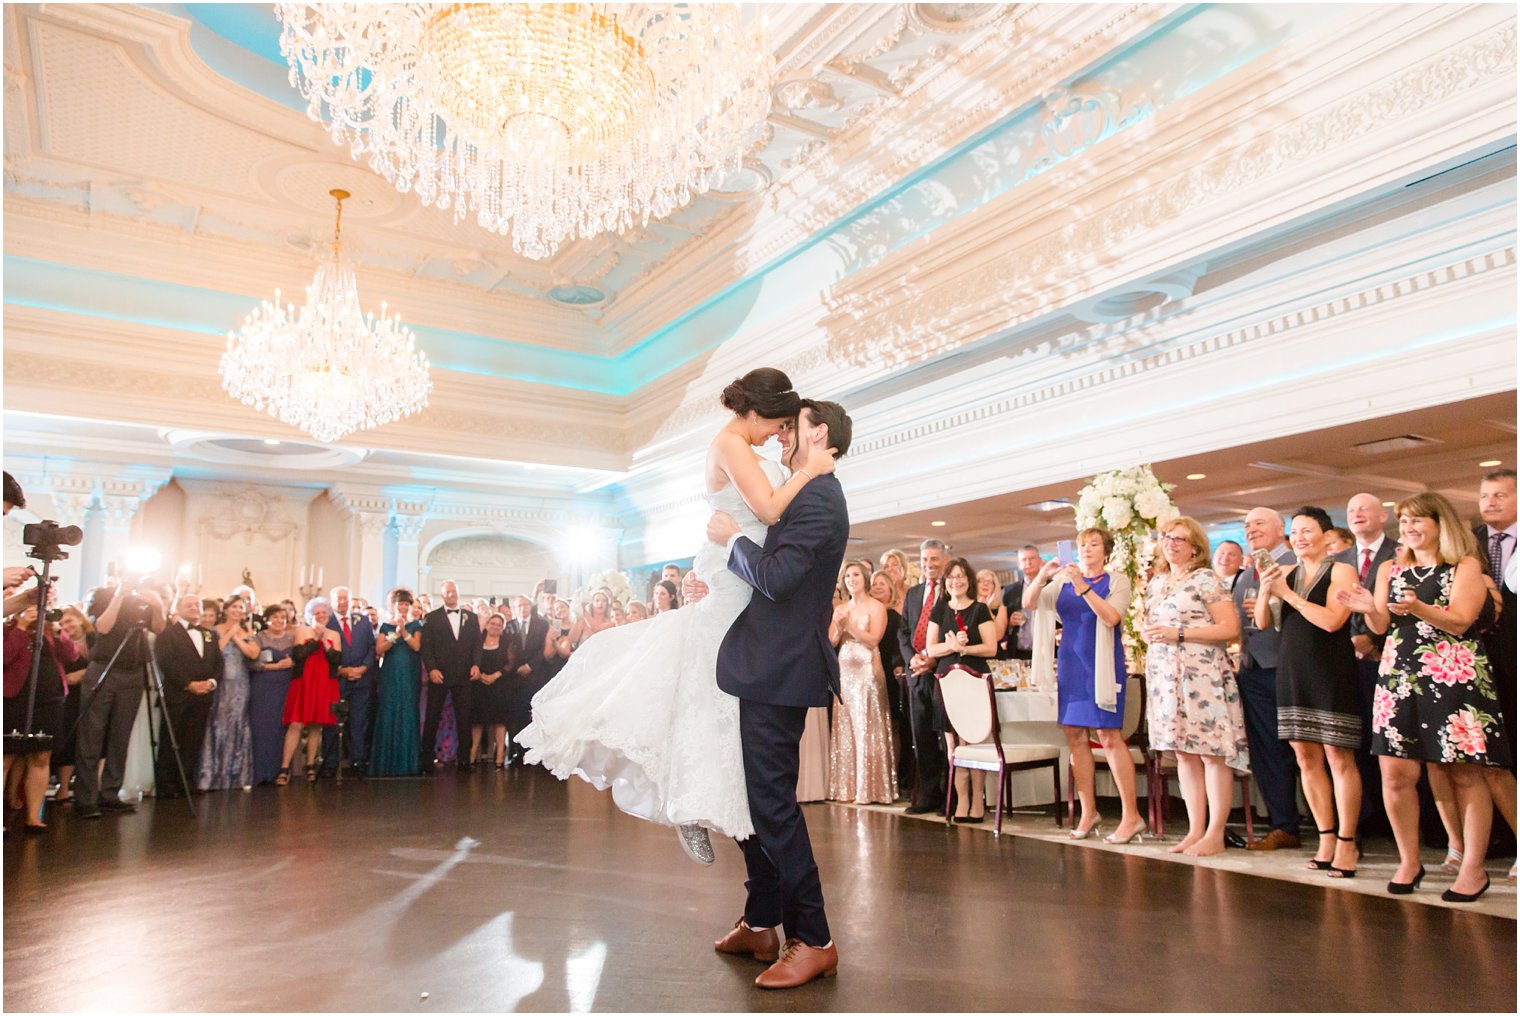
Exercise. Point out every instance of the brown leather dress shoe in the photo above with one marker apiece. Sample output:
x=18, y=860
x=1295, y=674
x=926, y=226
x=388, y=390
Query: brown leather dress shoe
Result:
x=799, y=964
x=763, y=945
x=1275, y=840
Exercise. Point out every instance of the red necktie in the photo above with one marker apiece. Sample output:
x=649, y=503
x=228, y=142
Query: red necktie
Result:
x=348, y=635
x=1366, y=565
x=921, y=630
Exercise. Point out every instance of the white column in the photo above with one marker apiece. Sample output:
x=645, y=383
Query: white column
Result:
x=408, y=529
x=369, y=579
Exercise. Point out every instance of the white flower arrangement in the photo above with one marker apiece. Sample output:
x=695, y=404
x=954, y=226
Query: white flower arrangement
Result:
x=1132, y=505
x=611, y=579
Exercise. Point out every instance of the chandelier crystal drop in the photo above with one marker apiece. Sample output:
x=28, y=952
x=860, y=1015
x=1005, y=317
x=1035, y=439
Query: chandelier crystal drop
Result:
x=326, y=367
x=545, y=121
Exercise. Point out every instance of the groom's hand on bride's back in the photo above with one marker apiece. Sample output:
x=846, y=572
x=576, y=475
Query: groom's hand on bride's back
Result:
x=721, y=528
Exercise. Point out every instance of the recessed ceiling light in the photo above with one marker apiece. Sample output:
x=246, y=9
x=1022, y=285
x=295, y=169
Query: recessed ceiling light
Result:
x=1197, y=476
x=1389, y=504
x=1054, y=504
x=271, y=440
x=1490, y=463
x=936, y=523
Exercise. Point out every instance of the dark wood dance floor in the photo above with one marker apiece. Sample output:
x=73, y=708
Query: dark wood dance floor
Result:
x=515, y=892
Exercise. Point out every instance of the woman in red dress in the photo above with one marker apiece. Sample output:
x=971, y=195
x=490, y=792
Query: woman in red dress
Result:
x=316, y=653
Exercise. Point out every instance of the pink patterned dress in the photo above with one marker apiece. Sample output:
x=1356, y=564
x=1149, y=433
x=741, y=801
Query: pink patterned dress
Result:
x=1435, y=700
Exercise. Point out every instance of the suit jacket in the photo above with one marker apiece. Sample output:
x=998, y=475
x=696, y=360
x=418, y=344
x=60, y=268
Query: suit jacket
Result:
x=442, y=651
x=360, y=650
x=913, y=608
x=1258, y=646
x=1013, y=600
x=777, y=651
x=1500, y=639
x=180, y=663
x=528, y=642
x=1352, y=556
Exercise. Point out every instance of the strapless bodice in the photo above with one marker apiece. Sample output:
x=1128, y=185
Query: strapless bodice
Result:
x=711, y=560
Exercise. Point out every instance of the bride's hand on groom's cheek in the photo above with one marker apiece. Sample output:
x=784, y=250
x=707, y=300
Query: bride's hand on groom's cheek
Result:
x=820, y=460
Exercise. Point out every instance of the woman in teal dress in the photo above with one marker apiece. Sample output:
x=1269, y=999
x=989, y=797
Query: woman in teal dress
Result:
x=397, y=737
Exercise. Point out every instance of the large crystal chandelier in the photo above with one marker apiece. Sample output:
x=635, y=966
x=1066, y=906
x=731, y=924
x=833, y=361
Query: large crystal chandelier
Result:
x=326, y=367
x=546, y=121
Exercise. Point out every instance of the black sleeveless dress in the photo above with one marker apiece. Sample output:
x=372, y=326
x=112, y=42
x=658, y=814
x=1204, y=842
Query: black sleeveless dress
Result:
x=1319, y=697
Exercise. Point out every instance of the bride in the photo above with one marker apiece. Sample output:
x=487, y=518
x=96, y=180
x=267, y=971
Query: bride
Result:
x=638, y=709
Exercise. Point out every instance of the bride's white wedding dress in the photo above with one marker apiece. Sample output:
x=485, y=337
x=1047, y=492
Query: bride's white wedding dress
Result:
x=638, y=709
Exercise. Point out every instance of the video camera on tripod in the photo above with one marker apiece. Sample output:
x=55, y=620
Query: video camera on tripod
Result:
x=45, y=542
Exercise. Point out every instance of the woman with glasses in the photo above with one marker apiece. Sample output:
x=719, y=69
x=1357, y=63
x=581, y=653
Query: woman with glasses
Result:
x=1194, y=703
x=961, y=633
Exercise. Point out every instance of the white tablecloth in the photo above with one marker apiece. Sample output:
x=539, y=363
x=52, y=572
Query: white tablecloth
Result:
x=1029, y=717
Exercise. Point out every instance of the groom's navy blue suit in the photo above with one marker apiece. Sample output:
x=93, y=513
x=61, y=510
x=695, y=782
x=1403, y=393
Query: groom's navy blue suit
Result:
x=776, y=659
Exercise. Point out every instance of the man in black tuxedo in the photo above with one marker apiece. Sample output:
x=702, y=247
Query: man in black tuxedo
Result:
x=777, y=660
x=191, y=662
x=450, y=637
x=527, y=632
x=1016, y=641
x=1368, y=520
x=928, y=744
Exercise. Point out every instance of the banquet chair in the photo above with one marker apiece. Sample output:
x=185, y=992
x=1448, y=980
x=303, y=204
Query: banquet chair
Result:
x=977, y=741
x=1135, y=739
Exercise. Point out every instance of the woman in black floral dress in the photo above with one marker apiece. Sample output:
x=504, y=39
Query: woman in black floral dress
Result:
x=1435, y=699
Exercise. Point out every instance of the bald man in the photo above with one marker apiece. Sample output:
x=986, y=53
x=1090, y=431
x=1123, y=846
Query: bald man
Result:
x=1272, y=762
x=1368, y=521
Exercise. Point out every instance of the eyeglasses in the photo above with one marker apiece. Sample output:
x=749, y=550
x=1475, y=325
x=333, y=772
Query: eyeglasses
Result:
x=1174, y=540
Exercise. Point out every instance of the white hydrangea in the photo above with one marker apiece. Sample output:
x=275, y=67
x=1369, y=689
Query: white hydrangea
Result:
x=1117, y=512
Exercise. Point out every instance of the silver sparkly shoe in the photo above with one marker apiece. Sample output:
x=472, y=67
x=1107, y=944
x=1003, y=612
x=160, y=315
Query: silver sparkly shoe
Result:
x=695, y=842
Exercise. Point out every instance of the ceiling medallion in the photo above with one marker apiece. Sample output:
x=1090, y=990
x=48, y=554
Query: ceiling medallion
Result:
x=326, y=367
x=546, y=122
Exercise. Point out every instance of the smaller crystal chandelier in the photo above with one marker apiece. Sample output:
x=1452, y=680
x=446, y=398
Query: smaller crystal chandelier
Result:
x=326, y=367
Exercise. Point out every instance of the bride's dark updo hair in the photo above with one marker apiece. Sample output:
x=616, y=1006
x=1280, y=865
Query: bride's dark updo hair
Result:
x=765, y=390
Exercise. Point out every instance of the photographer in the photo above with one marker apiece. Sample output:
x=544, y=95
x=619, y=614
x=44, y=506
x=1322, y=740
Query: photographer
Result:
x=108, y=709
x=59, y=655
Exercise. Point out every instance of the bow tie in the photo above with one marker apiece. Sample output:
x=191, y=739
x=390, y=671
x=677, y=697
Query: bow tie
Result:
x=454, y=611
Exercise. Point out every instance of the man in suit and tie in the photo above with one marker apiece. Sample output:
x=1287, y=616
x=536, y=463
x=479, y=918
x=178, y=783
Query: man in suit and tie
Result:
x=1272, y=761
x=356, y=682
x=528, y=631
x=1496, y=547
x=191, y=662
x=1368, y=521
x=450, y=637
x=777, y=660
x=928, y=744
x=1018, y=639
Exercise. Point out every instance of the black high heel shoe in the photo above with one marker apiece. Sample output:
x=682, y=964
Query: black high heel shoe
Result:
x=1452, y=896
x=1345, y=872
x=1407, y=888
x=1318, y=865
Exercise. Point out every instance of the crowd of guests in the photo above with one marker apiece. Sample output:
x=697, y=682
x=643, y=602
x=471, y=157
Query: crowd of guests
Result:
x=1347, y=661
x=253, y=694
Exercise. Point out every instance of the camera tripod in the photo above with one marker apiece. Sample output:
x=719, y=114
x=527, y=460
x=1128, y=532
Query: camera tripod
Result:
x=153, y=686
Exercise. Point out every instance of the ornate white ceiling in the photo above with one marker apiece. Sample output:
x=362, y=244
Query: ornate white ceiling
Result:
x=112, y=116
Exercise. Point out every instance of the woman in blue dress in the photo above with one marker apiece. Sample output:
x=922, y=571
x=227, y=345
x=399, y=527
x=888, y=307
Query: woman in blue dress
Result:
x=1091, y=604
x=398, y=737
x=227, y=753
x=269, y=678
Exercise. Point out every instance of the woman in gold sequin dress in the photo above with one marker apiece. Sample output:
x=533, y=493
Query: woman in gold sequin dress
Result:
x=862, y=756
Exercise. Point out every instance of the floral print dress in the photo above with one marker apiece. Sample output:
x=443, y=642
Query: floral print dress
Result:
x=1435, y=700
x=1191, y=694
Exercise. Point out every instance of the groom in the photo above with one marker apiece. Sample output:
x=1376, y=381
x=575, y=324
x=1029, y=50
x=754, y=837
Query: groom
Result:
x=776, y=659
